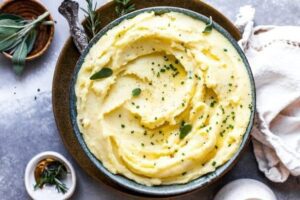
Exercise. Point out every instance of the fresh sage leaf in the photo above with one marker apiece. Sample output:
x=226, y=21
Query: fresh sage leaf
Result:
x=11, y=49
x=184, y=130
x=10, y=16
x=9, y=42
x=103, y=73
x=136, y=92
x=8, y=27
x=209, y=26
x=19, y=57
x=31, y=40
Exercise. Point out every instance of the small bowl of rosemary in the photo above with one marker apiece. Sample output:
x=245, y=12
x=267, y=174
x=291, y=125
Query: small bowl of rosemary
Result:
x=49, y=175
x=26, y=31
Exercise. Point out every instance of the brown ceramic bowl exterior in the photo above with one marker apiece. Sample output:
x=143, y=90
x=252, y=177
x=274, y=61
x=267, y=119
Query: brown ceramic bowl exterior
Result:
x=65, y=68
x=31, y=9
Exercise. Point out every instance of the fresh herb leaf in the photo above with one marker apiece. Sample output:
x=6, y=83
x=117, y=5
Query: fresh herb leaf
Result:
x=19, y=57
x=30, y=41
x=136, y=92
x=209, y=26
x=184, y=130
x=103, y=73
x=93, y=18
x=8, y=27
x=124, y=6
x=10, y=16
x=9, y=42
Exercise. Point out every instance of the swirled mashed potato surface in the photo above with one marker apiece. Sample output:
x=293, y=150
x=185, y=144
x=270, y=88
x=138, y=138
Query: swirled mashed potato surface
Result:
x=187, y=79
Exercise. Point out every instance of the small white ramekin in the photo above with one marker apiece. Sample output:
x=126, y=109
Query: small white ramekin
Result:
x=245, y=189
x=49, y=192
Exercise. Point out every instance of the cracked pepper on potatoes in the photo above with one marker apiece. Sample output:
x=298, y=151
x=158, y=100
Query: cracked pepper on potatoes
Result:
x=176, y=105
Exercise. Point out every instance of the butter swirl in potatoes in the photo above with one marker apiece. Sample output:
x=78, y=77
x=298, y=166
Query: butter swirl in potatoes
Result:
x=174, y=107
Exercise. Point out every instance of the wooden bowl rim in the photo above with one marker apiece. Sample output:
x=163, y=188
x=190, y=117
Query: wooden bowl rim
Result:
x=50, y=38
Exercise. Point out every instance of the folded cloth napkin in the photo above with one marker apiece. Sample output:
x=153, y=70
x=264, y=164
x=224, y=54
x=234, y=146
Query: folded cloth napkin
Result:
x=274, y=56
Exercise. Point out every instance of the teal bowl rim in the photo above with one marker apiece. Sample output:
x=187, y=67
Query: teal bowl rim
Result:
x=161, y=190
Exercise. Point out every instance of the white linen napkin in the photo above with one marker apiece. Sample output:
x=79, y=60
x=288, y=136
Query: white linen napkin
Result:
x=274, y=56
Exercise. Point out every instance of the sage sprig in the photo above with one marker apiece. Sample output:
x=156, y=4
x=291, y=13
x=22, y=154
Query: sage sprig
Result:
x=93, y=18
x=124, y=6
x=17, y=37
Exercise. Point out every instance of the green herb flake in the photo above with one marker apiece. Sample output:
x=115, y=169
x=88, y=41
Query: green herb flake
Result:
x=212, y=104
x=250, y=107
x=136, y=92
x=184, y=130
x=214, y=163
x=209, y=26
x=103, y=73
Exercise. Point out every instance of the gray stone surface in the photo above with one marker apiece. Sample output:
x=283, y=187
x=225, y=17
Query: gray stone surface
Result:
x=27, y=125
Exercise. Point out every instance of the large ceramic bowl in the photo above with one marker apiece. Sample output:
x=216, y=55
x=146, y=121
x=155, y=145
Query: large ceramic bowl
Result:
x=163, y=190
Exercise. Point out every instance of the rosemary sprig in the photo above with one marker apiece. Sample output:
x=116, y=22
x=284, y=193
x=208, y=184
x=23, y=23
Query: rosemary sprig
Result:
x=93, y=18
x=17, y=37
x=52, y=174
x=124, y=6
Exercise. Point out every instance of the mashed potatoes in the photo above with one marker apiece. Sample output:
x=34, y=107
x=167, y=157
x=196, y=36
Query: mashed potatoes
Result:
x=175, y=105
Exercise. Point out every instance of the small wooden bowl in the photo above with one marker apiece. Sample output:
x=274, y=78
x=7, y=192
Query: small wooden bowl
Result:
x=31, y=9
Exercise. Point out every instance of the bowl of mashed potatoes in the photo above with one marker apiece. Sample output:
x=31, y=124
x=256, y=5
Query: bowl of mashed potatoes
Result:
x=162, y=101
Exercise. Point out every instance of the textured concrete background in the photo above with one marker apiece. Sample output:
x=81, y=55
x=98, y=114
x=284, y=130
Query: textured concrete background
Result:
x=27, y=125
